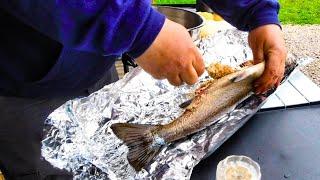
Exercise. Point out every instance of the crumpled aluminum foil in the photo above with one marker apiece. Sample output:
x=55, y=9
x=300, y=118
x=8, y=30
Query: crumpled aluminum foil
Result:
x=80, y=140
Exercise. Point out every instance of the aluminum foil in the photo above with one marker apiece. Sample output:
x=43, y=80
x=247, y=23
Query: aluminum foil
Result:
x=79, y=138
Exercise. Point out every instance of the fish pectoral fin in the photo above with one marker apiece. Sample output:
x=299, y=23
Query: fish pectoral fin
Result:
x=255, y=70
x=186, y=103
x=143, y=147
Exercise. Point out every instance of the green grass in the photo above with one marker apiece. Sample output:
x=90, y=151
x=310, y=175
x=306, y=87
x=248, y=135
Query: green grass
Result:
x=300, y=11
x=291, y=12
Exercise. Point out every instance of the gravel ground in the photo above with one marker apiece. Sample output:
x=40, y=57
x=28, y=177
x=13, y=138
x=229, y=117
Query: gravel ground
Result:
x=304, y=41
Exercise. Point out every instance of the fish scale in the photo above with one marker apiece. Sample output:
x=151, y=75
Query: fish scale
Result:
x=214, y=100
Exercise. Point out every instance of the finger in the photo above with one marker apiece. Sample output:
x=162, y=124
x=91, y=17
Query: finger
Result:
x=198, y=64
x=266, y=81
x=189, y=75
x=280, y=78
x=265, y=86
x=257, y=55
x=276, y=60
x=157, y=76
x=175, y=80
x=278, y=82
x=272, y=75
x=261, y=83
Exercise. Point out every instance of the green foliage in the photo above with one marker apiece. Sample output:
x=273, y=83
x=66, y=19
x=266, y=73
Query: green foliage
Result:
x=300, y=11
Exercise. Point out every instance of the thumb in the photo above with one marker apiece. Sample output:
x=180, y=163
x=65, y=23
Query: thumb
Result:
x=258, y=55
x=198, y=63
x=256, y=47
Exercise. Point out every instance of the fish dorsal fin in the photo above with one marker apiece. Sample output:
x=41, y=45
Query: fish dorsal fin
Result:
x=143, y=145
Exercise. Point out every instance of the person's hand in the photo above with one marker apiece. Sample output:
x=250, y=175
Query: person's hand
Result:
x=268, y=45
x=173, y=56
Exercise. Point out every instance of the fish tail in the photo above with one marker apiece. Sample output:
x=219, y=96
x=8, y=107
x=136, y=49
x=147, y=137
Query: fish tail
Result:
x=143, y=145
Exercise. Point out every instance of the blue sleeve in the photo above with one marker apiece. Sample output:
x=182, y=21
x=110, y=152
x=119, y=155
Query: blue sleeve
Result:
x=108, y=27
x=247, y=14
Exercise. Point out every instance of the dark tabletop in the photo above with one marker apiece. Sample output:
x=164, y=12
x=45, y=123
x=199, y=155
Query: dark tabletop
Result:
x=286, y=144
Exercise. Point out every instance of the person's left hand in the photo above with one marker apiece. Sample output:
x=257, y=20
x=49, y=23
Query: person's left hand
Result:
x=267, y=44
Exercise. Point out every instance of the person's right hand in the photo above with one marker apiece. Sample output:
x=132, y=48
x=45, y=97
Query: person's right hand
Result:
x=173, y=56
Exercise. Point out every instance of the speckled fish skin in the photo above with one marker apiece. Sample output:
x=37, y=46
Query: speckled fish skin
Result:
x=212, y=101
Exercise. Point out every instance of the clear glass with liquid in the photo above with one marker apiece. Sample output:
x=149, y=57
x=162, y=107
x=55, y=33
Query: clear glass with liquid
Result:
x=238, y=168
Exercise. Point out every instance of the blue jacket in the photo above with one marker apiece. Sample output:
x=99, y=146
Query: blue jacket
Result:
x=57, y=47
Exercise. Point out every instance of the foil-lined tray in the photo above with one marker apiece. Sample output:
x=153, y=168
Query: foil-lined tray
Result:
x=79, y=138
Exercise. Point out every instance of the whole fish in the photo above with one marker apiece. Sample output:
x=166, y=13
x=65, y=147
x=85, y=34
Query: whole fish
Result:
x=213, y=100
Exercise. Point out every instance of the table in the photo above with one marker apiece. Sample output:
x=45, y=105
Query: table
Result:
x=298, y=90
x=286, y=144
